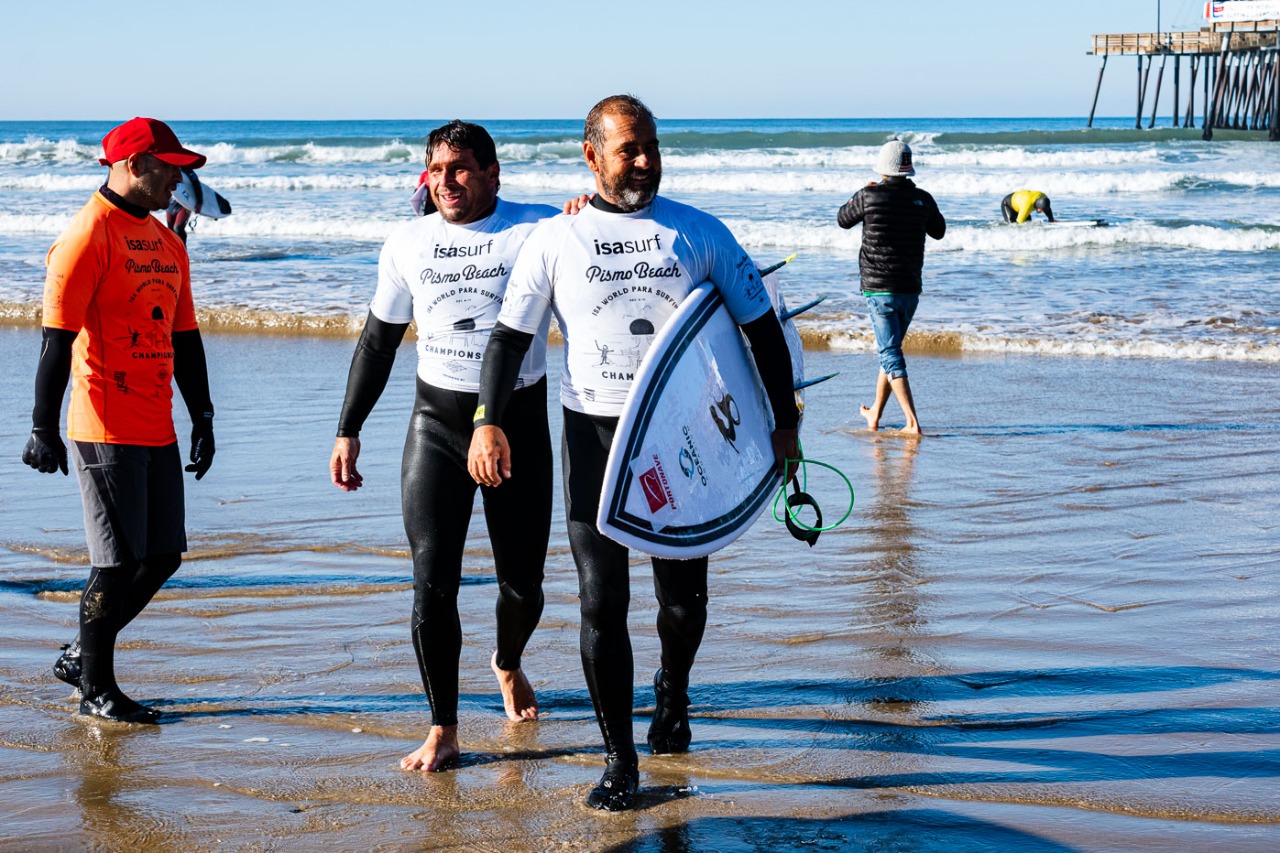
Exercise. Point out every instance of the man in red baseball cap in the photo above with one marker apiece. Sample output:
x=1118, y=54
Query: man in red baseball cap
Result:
x=147, y=136
x=119, y=323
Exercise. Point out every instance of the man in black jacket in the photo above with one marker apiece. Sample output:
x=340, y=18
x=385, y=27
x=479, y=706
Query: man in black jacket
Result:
x=896, y=214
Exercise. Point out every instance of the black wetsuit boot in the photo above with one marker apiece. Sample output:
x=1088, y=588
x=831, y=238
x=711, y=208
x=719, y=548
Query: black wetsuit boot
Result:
x=681, y=589
x=103, y=607
x=152, y=574
x=669, y=732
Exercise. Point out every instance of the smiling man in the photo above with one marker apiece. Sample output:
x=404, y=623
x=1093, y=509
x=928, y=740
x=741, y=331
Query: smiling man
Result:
x=613, y=275
x=120, y=324
x=448, y=271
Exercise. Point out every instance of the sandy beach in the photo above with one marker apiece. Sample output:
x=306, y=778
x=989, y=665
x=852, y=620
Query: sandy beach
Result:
x=1050, y=625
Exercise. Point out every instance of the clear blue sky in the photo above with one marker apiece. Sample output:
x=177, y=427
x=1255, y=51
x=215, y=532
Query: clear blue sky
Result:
x=488, y=59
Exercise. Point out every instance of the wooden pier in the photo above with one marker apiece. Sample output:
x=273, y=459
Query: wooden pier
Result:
x=1238, y=66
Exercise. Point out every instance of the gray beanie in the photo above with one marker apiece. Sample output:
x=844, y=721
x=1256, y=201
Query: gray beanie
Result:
x=895, y=159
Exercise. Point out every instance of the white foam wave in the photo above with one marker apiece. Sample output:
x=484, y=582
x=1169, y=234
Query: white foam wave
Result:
x=52, y=183
x=942, y=183
x=1007, y=238
x=1044, y=237
x=395, y=151
x=1183, y=350
x=246, y=224
x=404, y=180
x=50, y=150
x=862, y=158
x=562, y=149
x=1080, y=347
x=13, y=223
x=1052, y=183
x=778, y=181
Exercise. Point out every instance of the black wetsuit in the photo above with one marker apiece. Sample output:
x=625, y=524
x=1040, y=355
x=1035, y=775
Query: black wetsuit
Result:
x=437, y=495
x=604, y=586
x=680, y=586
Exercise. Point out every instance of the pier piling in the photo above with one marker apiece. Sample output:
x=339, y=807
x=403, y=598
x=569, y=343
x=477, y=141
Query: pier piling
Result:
x=1237, y=64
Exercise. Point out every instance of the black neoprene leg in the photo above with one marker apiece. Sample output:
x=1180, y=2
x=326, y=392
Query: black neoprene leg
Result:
x=437, y=494
x=436, y=499
x=152, y=574
x=104, y=604
x=681, y=589
x=518, y=515
x=603, y=583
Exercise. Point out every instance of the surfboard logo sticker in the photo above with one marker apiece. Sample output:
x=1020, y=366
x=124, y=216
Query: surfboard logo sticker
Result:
x=656, y=488
x=732, y=419
x=689, y=458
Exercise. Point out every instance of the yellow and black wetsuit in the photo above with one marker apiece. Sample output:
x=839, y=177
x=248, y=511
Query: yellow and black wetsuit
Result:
x=1018, y=206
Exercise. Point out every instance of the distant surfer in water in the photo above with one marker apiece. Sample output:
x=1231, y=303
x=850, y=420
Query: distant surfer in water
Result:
x=473, y=236
x=571, y=266
x=1018, y=206
x=895, y=215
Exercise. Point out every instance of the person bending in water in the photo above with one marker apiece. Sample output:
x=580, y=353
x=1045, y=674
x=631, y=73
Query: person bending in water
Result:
x=564, y=268
x=1018, y=206
x=475, y=235
x=895, y=215
x=117, y=290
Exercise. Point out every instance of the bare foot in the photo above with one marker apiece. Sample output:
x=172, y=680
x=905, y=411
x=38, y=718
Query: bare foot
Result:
x=912, y=429
x=873, y=421
x=517, y=693
x=438, y=751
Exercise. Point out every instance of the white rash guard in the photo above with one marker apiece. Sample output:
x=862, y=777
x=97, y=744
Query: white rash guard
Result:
x=613, y=280
x=451, y=280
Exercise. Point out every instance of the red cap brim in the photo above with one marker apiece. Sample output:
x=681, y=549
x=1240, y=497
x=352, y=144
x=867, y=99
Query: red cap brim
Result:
x=190, y=159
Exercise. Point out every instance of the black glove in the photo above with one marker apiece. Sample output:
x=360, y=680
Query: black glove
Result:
x=201, y=445
x=45, y=452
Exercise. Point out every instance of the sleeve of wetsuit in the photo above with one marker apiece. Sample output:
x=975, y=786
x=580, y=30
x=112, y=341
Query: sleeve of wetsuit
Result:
x=773, y=361
x=851, y=212
x=191, y=372
x=370, y=369
x=53, y=371
x=499, y=372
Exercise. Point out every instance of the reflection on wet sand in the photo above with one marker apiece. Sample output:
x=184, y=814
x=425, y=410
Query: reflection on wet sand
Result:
x=897, y=581
x=956, y=668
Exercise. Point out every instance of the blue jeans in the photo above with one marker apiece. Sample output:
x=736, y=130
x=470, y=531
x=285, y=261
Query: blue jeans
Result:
x=890, y=316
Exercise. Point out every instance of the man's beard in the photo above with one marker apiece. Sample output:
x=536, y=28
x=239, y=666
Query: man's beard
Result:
x=630, y=198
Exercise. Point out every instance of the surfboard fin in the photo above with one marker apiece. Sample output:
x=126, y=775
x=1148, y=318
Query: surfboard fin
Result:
x=808, y=382
x=796, y=312
x=779, y=265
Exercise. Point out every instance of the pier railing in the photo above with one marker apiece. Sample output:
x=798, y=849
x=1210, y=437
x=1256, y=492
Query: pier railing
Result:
x=1190, y=43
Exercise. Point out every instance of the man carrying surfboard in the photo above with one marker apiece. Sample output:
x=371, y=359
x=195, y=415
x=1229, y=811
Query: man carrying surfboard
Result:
x=895, y=215
x=613, y=275
x=448, y=271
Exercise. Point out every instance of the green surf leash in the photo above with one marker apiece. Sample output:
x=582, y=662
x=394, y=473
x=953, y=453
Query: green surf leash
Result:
x=800, y=497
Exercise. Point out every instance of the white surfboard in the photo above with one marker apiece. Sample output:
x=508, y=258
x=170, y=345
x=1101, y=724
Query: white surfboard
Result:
x=203, y=201
x=691, y=467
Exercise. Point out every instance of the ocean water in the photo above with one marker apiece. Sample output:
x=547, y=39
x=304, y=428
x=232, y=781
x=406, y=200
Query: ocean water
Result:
x=1050, y=625
x=1185, y=269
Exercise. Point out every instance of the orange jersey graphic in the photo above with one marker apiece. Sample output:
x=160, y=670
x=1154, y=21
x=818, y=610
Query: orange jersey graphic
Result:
x=124, y=284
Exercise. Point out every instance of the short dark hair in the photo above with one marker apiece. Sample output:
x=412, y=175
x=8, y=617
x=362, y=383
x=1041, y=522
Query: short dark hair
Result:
x=627, y=105
x=464, y=136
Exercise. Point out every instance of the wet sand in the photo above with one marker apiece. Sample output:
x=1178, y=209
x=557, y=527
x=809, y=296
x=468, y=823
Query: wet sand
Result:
x=1050, y=625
